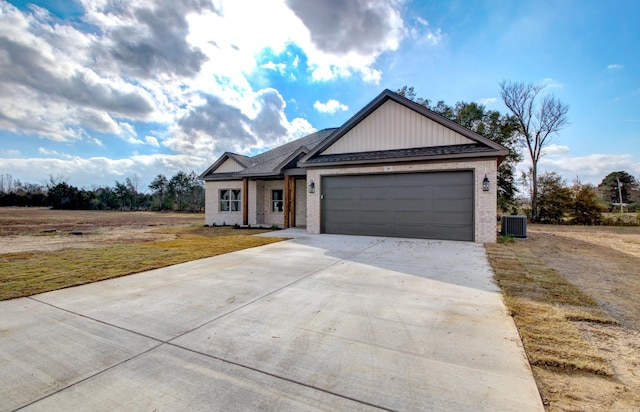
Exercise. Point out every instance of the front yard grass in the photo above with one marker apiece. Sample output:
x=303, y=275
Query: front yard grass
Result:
x=30, y=273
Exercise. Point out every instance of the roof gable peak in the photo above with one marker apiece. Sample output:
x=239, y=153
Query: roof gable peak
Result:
x=372, y=135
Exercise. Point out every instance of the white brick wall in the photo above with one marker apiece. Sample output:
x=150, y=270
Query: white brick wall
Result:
x=260, y=211
x=301, y=202
x=212, y=213
x=485, y=202
x=269, y=217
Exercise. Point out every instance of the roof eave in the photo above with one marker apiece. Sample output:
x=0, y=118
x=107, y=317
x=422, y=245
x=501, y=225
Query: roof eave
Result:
x=260, y=175
x=406, y=159
x=214, y=178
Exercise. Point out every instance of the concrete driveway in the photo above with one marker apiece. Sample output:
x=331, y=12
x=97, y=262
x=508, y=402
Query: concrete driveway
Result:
x=320, y=322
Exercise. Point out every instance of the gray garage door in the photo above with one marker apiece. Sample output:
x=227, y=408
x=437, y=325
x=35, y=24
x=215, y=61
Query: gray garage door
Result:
x=435, y=205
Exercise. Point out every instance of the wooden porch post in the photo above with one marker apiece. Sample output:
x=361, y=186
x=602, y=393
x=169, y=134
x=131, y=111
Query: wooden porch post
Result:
x=286, y=202
x=245, y=201
x=292, y=209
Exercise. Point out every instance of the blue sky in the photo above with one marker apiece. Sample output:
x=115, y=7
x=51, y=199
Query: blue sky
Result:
x=96, y=91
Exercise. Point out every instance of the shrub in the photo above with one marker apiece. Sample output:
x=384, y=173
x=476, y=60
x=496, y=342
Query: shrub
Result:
x=587, y=209
x=626, y=219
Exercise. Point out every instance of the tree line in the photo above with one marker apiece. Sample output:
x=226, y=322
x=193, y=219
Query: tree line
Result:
x=182, y=192
x=534, y=120
x=584, y=203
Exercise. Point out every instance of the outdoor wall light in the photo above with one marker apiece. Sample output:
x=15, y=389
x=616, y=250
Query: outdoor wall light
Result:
x=485, y=184
x=312, y=187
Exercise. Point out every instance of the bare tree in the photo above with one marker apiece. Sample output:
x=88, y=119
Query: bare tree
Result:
x=539, y=119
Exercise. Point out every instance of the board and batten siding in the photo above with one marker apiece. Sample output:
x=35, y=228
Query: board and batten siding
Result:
x=394, y=126
x=229, y=166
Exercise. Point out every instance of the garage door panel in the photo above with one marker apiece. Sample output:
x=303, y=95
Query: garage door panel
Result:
x=410, y=192
x=421, y=231
x=405, y=205
x=458, y=178
x=374, y=217
x=452, y=232
x=371, y=185
x=373, y=200
x=432, y=205
x=373, y=204
x=346, y=218
x=341, y=193
x=453, y=218
x=410, y=217
x=372, y=193
x=452, y=205
x=344, y=204
x=453, y=193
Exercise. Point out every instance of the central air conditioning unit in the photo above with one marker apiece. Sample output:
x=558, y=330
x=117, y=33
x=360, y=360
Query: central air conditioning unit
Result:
x=515, y=226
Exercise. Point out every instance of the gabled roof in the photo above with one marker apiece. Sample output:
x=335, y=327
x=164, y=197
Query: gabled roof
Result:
x=482, y=147
x=243, y=161
x=269, y=163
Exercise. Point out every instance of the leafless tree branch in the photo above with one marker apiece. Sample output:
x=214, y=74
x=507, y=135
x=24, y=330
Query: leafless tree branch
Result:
x=539, y=120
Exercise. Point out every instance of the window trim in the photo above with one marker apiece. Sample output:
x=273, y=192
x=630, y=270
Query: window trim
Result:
x=277, y=202
x=233, y=202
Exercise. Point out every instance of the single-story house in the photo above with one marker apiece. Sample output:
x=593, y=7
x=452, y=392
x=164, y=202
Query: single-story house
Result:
x=394, y=169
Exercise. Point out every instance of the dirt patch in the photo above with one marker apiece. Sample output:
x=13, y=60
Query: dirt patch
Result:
x=46, y=230
x=64, y=240
x=604, y=263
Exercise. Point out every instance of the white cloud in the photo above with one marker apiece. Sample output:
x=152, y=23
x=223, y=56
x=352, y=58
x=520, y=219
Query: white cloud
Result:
x=54, y=153
x=300, y=127
x=183, y=65
x=151, y=141
x=44, y=151
x=592, y=168
x=98, y=171
x=614, y=66
x=555, y=150
x=277, y=67
x=589, y=169
x=51, y=86
x=434, y=37
x=551, y=83
x=486, y=101
x=11, y=152
x=343, y=38
x=331, y=106
x=423, y=32
x=241, y=123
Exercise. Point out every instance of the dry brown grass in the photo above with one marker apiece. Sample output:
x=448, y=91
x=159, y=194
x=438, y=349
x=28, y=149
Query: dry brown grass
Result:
x=25, y=274
x=544, y=305
x=29, y=221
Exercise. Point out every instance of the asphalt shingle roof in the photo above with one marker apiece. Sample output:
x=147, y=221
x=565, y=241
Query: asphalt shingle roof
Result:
x=401, y=153
x=266, y=163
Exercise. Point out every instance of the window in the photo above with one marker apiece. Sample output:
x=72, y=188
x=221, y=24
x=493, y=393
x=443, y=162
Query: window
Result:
x=277, y=202
x=230, y=200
